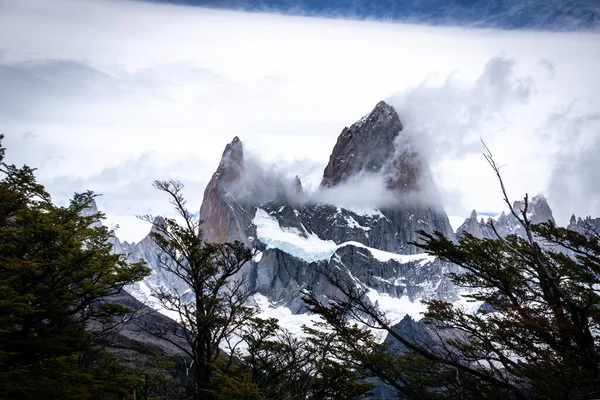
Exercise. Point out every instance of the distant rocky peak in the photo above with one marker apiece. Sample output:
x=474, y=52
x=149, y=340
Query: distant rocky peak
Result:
x=298, y=190
x=376, y=145
x=232, y=162
x=587, y=226
x=219, y=212
x=471, y=225
x=382, y=114
x=91, y=210
x=538, y=210
x=158, y=224
x=503, y=219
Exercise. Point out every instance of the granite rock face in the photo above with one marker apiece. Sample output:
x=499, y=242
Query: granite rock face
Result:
x=538, y=211
x=224, y=218
x=377, y=145
x=373, y=145
x=368, y=145
x=587, y=226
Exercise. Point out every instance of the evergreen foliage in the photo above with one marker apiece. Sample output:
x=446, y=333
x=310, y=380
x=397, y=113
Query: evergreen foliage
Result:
x=536, y=334
x=57, y=272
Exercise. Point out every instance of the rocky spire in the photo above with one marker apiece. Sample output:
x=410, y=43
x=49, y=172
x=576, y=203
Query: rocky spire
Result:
x=366, y=146
x=376, y=144
x=232, y=162
x=298, y=190
x=474, y=226
x=158, y=225
x=221, y=215
x=91, y=210
x=538, y=209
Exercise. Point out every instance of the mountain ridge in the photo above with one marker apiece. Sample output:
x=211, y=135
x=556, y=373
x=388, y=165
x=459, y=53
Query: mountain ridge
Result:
x=298, y=237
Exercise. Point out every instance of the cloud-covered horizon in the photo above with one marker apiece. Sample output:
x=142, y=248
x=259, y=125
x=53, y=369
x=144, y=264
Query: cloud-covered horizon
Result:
x=504, y=14
x=105, y=95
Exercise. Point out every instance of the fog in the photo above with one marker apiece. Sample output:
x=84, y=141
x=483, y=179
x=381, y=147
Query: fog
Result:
x=110, y=95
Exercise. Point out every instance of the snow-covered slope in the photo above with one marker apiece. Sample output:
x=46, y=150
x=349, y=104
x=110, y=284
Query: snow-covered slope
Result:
x=309, y=247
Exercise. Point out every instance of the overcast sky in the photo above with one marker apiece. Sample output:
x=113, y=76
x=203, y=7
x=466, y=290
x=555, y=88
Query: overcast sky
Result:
x=110, y=95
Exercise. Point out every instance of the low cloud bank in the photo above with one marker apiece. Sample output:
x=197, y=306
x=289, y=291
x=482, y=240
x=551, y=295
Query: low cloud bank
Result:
x=449, y=119
x=89, y=85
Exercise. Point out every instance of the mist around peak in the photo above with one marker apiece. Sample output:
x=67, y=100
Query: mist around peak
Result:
x=261, y=183
x=439, y=121
x=449, y=118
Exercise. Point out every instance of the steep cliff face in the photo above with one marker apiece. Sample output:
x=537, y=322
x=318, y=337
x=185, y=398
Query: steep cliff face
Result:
x=225, y=219
x=377, y=145
x=367, y=146
x=373, y=145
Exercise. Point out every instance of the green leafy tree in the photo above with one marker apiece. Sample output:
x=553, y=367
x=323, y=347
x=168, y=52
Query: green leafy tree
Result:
x=57, y=272
x=540, y=330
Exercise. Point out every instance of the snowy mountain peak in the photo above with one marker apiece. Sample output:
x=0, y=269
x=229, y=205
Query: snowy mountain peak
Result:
x=90, y=210
x=158, y=223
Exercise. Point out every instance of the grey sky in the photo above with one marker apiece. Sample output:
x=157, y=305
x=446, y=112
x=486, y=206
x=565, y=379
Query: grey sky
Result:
x=109, y=95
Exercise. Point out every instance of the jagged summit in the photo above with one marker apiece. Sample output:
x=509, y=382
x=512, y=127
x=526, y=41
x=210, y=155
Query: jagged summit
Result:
x=369, y=145
x=298, y=190
x=158, y=224
x=538, y=211
x=471, y=225
x=232, y=162
x=91, y=210
x=296, y=235
x=224, y=219
x=373, y=145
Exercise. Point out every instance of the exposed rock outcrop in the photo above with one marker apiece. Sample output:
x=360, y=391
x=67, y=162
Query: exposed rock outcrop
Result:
x=367, y=146
x=587, y=226
x=538, y=211
x=224, y=218
x=377, y=145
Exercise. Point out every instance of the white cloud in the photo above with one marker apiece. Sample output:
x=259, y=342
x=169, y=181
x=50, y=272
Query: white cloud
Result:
x=108, y=94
